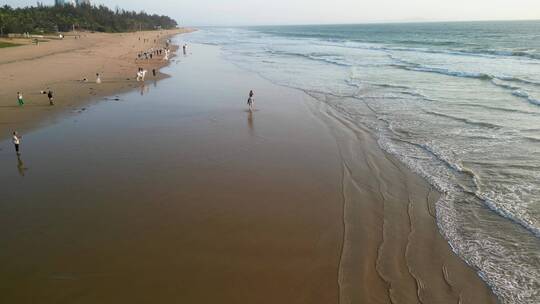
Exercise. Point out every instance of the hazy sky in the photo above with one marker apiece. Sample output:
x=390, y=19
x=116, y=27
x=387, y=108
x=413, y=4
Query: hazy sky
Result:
x=246, y=12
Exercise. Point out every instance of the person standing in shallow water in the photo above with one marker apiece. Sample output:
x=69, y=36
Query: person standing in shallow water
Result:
x=16, y=139
x=250, y=100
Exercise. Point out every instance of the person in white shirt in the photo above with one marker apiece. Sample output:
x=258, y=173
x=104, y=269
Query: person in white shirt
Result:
x=16, y=141
x=141, y=74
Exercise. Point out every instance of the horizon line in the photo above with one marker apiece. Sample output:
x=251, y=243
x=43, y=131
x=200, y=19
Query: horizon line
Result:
x=366, y=22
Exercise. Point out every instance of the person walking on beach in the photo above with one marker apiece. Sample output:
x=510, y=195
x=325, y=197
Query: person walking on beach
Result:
x=98, y=78
x=166, y=57
x=184, y=47
x=141, y=74
x=20, y=99
x=16, y=139
x=51, y=98
x=250, y=100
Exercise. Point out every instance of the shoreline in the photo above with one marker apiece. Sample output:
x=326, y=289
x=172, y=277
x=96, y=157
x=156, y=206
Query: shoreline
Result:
x=469, y=138
x=410, y=260
x=62, y=64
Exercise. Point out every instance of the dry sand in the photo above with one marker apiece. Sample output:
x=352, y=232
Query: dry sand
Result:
x=61, y=65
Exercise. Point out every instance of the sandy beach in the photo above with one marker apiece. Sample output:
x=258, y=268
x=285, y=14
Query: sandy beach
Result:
x=181, y=195
x=61, y=65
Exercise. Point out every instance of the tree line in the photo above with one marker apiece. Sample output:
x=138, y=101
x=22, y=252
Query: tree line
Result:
x=63, y=18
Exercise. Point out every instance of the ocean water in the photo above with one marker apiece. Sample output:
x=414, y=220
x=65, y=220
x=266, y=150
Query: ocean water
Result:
x=459, y=103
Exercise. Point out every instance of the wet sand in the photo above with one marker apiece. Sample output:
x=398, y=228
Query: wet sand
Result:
x=61, y=65
x=180, y=195
x=391, y=246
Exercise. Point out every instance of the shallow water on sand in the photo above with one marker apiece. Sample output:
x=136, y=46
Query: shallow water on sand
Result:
x=459, y=103
x=173, y=193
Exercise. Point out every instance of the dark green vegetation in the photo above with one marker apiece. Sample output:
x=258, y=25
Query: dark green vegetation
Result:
x=6, y=44
x=50, y=19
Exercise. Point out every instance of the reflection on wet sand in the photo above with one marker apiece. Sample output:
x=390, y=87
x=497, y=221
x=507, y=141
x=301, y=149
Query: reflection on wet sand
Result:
x=250, y=123
x=144, y=89
x=20, y=166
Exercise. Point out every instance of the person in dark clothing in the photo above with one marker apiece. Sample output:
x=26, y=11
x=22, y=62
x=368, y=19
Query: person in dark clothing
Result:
x=250, y=100
x=51, y=98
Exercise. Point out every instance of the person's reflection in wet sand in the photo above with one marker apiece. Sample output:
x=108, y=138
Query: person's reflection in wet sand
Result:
x=20, y=166
x=250, y=123
x=144, y=89
x=155, y=83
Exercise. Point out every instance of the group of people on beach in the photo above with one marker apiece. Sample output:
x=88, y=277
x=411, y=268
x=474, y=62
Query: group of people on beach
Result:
x=48, y=92
x=149, y=54
x=141, y=74
x=152, y=52
x=16, y=139
x=98, y=78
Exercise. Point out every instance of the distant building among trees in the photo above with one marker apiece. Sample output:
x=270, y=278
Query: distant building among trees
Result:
x=71, y=2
